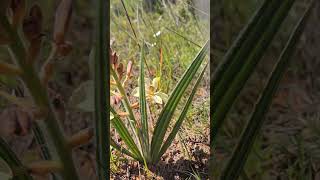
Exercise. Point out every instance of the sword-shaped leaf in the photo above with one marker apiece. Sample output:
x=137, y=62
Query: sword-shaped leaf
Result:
x=143, y=108
x=124, y=134
x=167, y=112
x=222, y=107
x=182, y=116
x=242, y=150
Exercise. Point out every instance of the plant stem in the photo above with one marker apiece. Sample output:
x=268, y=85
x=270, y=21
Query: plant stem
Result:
x=41, y=99
x=102, y=93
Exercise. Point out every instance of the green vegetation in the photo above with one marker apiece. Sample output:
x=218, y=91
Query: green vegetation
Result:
x=22, y=34
x=236, y=68
x=151, y=153
x=157, y=46
x=172, y=35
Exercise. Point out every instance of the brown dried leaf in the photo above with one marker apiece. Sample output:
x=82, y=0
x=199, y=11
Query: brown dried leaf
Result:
x=120, y=70
x=62, y=20
x=113, y=59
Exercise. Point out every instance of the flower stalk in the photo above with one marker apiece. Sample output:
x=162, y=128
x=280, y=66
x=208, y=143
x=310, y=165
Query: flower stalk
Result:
x=41, y=99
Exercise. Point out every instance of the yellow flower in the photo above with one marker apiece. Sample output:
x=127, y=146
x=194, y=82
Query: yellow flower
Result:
x=153, y=93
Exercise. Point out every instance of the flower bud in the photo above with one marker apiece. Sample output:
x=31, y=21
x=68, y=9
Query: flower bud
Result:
x=62, y=19
x=17, y=8
x=44, y=167
x=129, y=68
x=120, y=70
x=82, y=137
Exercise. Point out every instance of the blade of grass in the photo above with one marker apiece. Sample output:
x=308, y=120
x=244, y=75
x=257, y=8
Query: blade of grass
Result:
x=180, y=35
x=41, y=141
x=124, y=134
x=102, y=93
x=222, y=108
x=125, y=99
x=182, y=116
x=134, y=32
x=143, y=109
x=240, y=50
x=121, y=28
x=123, y=150
x=239, y=42
x=129, y=20
x=242, y=150
x=171, y=105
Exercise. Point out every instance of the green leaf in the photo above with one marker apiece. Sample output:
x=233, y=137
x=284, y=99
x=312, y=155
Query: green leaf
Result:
x=91, y=62
x=167, y=112
x=125, y=135
x=102, y=89
x=122, y=149
x=245, y=41
x=182, y=116
x=144, y=133
x=126, y=103
x=9, y=81
x=242, y=150
x=225, y=96
x=125, y=99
